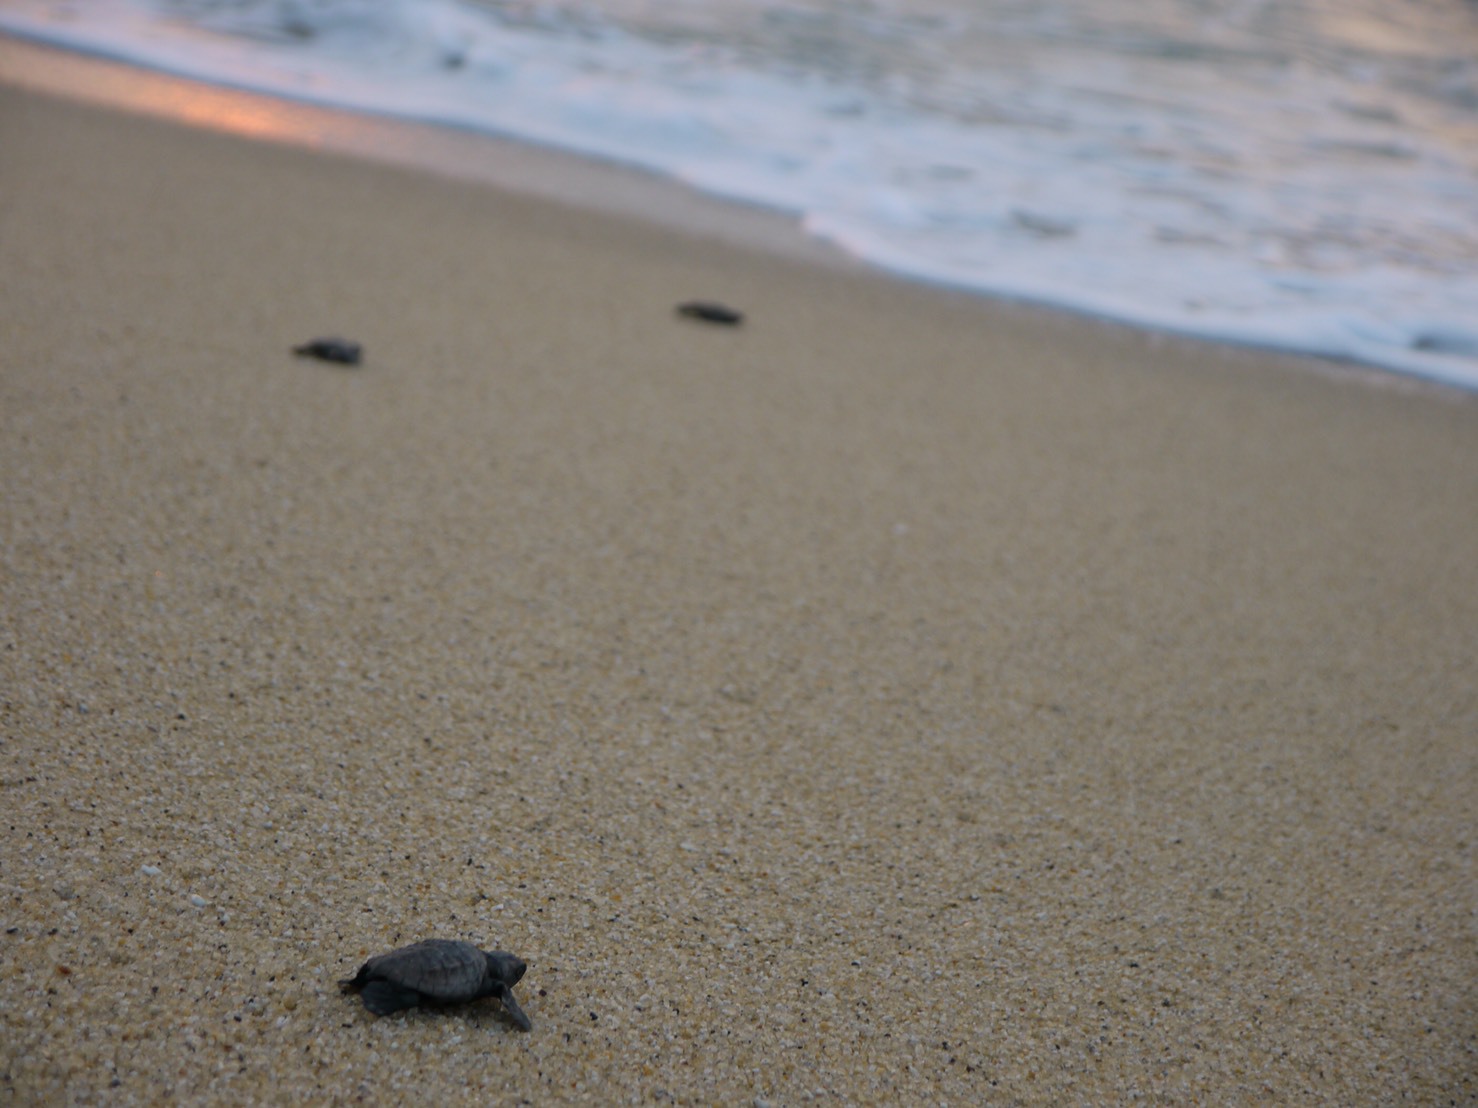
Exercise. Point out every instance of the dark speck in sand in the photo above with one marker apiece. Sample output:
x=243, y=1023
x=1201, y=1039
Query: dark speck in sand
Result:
x=331, y=350
x=710, y=312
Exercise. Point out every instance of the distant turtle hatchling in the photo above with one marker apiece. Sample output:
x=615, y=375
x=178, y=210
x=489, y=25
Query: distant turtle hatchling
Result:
x=438, y=971
x=331, y=350
x=710, y=312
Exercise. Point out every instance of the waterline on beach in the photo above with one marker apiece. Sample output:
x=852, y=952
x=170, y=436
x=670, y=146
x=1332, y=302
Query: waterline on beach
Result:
x=1284, y=182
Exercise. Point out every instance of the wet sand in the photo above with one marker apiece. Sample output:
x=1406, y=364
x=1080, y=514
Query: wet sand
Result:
x=900, y=698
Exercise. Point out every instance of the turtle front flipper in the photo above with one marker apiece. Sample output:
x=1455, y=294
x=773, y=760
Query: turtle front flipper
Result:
x=515, y=1013
x=384, y=997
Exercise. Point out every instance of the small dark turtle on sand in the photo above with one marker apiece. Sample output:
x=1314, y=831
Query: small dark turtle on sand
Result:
x=331, y=350
x=438, y=971
x=710, y=312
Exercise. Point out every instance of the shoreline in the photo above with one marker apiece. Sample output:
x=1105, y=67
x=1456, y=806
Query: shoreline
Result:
x=561, y=176
x=900, y=697
x=509, y=164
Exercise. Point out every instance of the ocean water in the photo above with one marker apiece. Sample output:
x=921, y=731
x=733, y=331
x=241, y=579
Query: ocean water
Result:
x=1298, y=174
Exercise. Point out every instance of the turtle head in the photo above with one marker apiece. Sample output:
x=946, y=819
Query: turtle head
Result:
x=504, y=967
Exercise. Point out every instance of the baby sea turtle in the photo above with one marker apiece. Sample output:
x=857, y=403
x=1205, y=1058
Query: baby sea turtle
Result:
x=438, y=971
x=331, y=350
x=709, y=312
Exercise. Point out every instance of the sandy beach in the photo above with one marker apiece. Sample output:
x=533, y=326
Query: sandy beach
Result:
x=901, y=698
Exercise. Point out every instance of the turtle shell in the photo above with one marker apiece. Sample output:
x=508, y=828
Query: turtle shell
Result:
x=442, y=970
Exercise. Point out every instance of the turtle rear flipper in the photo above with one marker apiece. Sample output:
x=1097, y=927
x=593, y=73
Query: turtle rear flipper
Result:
x=515, y=1013
x=385, y=997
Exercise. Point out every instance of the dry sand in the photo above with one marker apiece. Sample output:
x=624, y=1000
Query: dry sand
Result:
x=899, y=699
